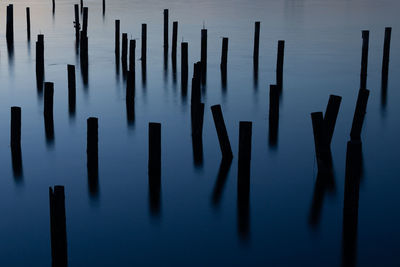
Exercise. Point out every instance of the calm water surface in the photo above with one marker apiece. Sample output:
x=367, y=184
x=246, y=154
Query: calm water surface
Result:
x=194, y=226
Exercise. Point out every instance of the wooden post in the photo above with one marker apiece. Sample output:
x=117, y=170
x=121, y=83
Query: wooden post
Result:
x=274, y=93
x=130, y=86
x=184, y=63
x=58, y=228
x=10, y=24
x=322, y=149
x=54, y=6
x=331, y=113
x=256, y=42
x=154, y=164
x=243, y=185
x=124, y=57
x=224, y=54
x=132, y=54
x=174, y=39
x=28, y=23
x=77, y=24
x=81, y=6
x=196, y=90
x=40, y=60
x=15, y=127
x=48, y=99
x=71, y=89
x=165, y=28
x=385, y=60
x=223, y=138
x=85, y=21
x=92, y=152
x=203, y=54
x=364, y=60
x=279, y=64
x=117, y=32
x=104, y=7
x=144, y=43
x=359, y=114
x=197, y=119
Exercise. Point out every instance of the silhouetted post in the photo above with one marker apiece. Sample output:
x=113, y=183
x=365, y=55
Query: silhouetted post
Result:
x=92, y=152
x=274, y=93
x=279, y=64
x=54, y=6
x=174, y=40
x=10, y=24
x=124, y=47
x=77, y=23
x=48, y=99
x=154, y=164
x=85, y=21
x=28, y=23
x=196, y=92
x=331, y=113
x=132, y=56
x=144, y=43
x=256, y=43
x=223, y=138
x=165, y=28
x=104, y=7
x=350, y=203
x=184, y=63
x=58, y=227
x=40, y=60
x=385, y=60
x=359, y=114
x=197, y=119
x=322, y=149
x=71, y=88
x=224, y=54
x=203, y=54
x=130, y=86
x=243, y=185
x=15, y=126
x=81, y=6
x=117, y=32
x=364, y=60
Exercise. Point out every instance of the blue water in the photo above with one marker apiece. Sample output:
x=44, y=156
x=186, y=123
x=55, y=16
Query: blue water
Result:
x=116, y=227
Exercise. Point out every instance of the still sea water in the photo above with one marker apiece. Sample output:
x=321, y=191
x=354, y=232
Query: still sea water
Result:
x=197, y=221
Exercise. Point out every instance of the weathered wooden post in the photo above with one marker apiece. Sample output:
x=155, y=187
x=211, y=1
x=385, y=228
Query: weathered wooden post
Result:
x=10, y=24
x=364, y=60
x=165, y=28
x=359, y=114
x=132, y=54
x=15, y=127
x=92, y=152
x=184, y=64
x=243, y=185
x=117, y=32
x=224, y=54
x=223, y=138
x=77, y=24
x=274, y=93
x=385, y=60
x=256, y=43
x=28, y=23
x=154, y=164
x=203, y=56
x=144, y=43
x=58, y=227
x=279, y=64
x=71, y=89
x=174, y=40
x=331, y=113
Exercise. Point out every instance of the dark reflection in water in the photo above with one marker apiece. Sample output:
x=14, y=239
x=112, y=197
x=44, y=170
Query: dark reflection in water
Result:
x=350, y=205
x=197, y=118
x=165, y=64
x=223, y=171
x=144, y=73
x=49, y=130
x=85, y=70
x=224, y=76
x=10, y=50
x=16, y=158
x=155, y=194
x=325, y=184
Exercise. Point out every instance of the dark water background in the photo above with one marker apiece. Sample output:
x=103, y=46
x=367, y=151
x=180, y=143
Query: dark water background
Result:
x=116, y=227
